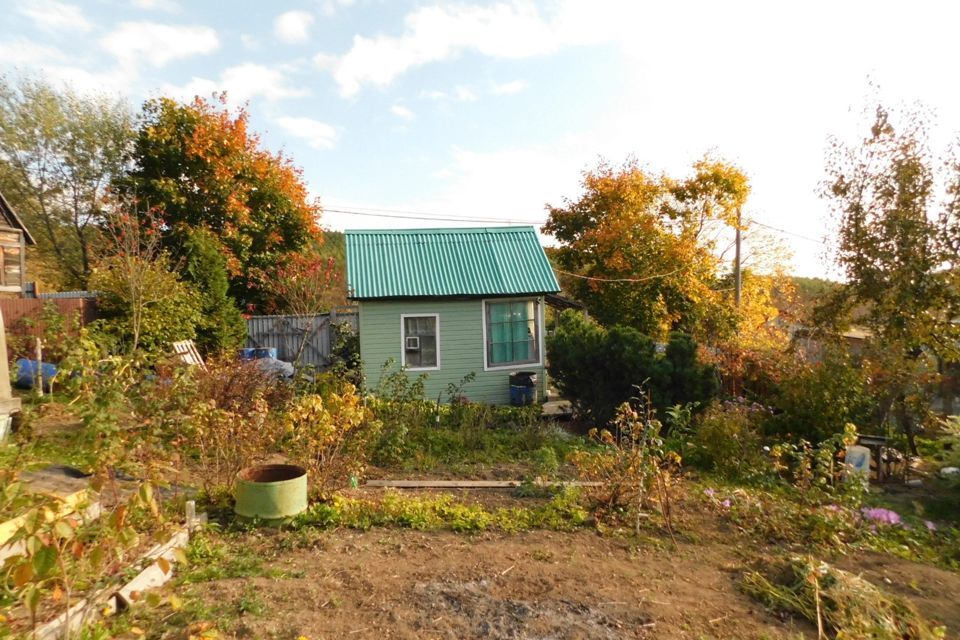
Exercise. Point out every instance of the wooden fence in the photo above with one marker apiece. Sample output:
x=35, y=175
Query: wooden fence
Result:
x=302, y=339
x=23, y=320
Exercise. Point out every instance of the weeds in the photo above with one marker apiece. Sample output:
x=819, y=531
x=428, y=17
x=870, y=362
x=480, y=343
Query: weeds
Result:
x=562, y=513
x=631, y=466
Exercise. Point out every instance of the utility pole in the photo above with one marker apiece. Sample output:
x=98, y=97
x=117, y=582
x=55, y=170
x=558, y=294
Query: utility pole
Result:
x=737, y=281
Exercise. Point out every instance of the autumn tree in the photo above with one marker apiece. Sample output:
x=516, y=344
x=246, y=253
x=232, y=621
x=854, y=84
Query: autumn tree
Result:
x=201, y=167
x=641, y=250
x=897, y=209
x=59, y=153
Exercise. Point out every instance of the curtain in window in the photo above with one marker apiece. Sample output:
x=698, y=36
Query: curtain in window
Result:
x=512, y=332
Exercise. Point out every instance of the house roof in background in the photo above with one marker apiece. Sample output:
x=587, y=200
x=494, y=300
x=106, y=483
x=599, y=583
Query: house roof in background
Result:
x=416, y=263
x=10, y=217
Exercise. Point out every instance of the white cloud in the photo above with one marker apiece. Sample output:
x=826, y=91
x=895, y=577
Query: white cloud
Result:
x=324, y=61
x=21, y=51
x=508, y=88
x=241, y=82
x=330, y=7
x=318, y=135
x=56, y=16
x=460, y=93
x=116, y=80
x=463, y=94
x=401, y=112
x=168, y=6
x=293, y=26
x=437, y=33
x=157, y=43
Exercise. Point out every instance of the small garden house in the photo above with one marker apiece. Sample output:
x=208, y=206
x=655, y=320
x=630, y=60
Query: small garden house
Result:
x=14, y=238
x=450, y=302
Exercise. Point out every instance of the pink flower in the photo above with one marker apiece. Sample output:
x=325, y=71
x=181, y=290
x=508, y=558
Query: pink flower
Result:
x=725, y=504
x=931, y=526
x=881, y=515
x=709, y=493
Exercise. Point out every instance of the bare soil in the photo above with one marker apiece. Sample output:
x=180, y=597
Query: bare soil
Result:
x=390, y=583
x=408, y=584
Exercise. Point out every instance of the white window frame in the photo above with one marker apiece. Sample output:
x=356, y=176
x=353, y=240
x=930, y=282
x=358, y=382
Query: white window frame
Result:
x=403, y=340
x=539, y=326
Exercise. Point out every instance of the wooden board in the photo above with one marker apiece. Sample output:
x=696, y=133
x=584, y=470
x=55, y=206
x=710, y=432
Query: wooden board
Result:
x=68, y=504
x=470, y=484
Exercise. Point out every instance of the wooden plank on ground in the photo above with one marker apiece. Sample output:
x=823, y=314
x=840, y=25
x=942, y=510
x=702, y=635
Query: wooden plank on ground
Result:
x=471, y=484
x=67, y=505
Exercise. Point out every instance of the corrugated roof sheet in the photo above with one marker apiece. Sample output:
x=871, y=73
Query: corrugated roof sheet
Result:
x=413, y=263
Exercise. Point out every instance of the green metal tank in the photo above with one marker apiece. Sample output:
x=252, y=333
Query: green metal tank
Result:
x=271, y=491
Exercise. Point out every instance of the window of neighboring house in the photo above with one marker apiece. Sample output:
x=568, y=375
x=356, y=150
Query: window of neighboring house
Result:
x=512, y=332
x=11, y=273
x=421, y=341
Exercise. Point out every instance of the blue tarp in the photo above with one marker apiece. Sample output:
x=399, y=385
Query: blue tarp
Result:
x=27, y=373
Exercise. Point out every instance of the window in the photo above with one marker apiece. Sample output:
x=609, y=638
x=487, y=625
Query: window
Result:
x=421, y=341
x=10, y=259
x=512, y=332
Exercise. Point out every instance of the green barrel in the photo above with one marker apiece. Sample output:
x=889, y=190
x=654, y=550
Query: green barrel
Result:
x=271, y=491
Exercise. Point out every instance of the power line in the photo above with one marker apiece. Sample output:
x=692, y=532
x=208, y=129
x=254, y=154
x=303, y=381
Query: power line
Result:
x=374, y=212
x=644, y=279
x=789, y=233
x=434, y=219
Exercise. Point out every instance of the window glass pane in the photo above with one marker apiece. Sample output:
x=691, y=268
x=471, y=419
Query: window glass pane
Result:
x=511, y=332
x=11, y=266
x=425, y=353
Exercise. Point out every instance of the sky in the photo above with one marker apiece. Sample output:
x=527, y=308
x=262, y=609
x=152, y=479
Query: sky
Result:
x=469, y=114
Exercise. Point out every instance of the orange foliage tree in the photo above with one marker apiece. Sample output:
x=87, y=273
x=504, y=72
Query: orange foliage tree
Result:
x=653, y=252
x=640, y=249
x=200, y=166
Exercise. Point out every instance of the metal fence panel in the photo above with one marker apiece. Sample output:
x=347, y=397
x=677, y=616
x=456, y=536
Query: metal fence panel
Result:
x=299, y=338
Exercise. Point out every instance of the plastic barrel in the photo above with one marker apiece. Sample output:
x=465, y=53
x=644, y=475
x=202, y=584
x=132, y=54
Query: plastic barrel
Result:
x=523, y=388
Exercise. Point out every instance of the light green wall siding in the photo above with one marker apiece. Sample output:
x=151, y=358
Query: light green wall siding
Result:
x=461, y=347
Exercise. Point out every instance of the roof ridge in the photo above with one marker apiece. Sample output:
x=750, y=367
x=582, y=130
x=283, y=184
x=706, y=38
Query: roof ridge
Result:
x=439, y=230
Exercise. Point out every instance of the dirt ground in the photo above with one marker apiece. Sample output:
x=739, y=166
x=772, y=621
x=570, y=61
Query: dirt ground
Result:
x=408, y=584
x=391, y=583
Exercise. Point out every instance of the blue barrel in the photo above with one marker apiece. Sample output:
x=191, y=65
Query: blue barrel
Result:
x=523, y=388
x=27, y=373
x=247, y=353
x=265, y=352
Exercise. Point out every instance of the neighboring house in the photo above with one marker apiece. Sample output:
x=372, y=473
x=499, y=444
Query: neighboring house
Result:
x=14, y=238
x=450, y=302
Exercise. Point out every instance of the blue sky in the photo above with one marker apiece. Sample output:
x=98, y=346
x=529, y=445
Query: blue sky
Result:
x=491, y=110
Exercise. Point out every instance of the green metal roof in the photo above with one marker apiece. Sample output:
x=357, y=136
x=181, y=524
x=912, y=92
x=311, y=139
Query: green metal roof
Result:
x=413, y=263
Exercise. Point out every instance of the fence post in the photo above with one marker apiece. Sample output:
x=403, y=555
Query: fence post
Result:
x=39, y=378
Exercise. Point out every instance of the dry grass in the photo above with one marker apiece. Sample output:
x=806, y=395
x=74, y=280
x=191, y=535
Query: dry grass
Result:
x=839, y=602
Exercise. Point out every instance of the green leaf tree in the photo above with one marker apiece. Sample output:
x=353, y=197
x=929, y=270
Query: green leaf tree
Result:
x=896, y=243
x=221, y=326
x=59, y=153
x=599, y=369
x=143, y=304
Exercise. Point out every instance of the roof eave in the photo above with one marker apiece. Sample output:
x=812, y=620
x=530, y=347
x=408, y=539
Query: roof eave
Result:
x=16, y=219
